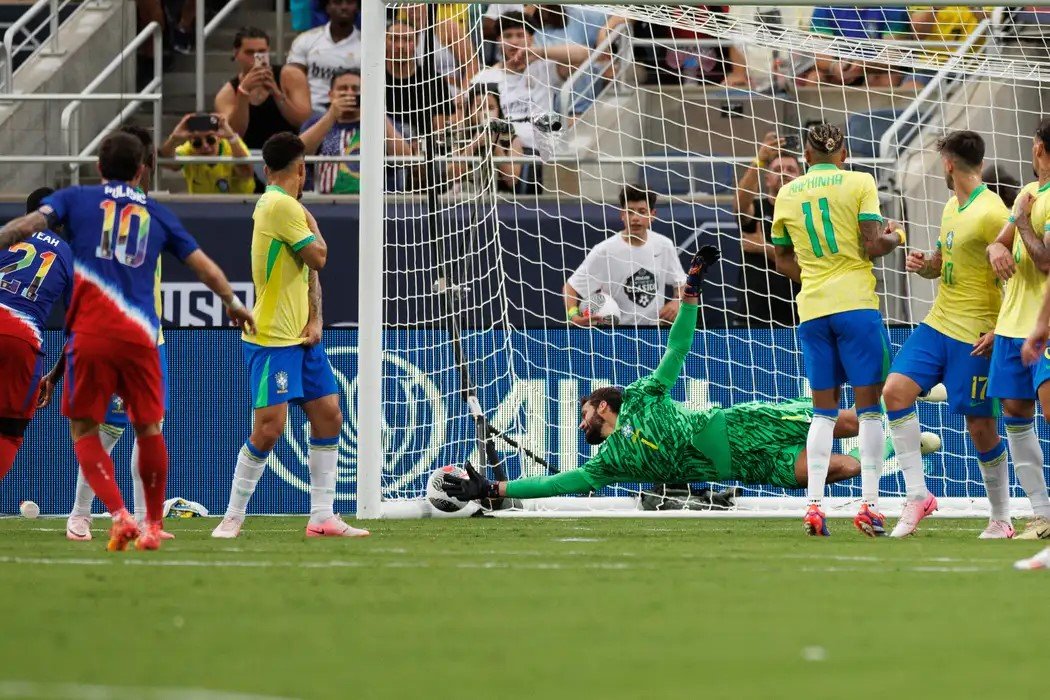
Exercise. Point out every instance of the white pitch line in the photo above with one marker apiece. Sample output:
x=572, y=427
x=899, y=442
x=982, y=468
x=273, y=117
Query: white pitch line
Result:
x=82, y=691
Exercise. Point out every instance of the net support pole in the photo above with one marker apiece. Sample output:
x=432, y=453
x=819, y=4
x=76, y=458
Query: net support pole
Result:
x=370, y=457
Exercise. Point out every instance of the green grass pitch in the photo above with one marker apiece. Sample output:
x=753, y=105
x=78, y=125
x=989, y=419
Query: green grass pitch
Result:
x=500, y=608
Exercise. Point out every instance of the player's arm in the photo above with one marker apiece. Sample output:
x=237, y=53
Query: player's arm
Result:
x=927, y=266
x=1036, y=242
x=315, y=323
x=49, y=382
x=998, y=251
x=786, y=262
x=680, y=339
x=315, y=251
x=212, y=276
x=1035, y=345
x=475, y=486
x=17, y=230
x=879, y=238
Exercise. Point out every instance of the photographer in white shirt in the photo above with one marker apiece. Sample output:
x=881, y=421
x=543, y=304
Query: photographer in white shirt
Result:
x=634, y=267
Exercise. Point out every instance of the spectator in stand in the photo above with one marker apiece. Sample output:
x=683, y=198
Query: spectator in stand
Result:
x=634, y=267
x=490, y=20
x=417, y=100
x=769, y=298
x=722, y=65
x=869, y=23
x=454, y=57
x=337, y=132
x=1000, y=181
x=527, y=76
x=567, y=24
x=484, y=127
x=324, y=51
x=262, y=99
x=218, y=140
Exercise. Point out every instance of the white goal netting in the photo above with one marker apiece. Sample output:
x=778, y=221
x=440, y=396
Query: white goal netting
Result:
x=508, y=147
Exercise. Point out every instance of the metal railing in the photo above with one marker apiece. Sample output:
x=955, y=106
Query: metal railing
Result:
x=70, y=120
x=11, y=47
x=592, y=69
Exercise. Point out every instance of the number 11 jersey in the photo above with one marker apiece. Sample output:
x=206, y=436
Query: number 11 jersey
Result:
x=819, y=215
x=117, y=234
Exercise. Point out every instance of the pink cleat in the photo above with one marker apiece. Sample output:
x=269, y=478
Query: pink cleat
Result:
x=229, y=528
x=164, y=534
x=815, y=523
x=997, y=530
x=914, y=511
x=123, y=532
x=1039, y=561
x=150, y=538
x=334, y=527
x=78, y=528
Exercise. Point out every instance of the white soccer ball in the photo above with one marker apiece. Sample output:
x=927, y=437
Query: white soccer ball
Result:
x=29, y=510
x=436, y=489
x=601, y=305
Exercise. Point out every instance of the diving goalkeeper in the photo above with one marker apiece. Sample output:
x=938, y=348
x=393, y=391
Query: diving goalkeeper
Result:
x=646, y=436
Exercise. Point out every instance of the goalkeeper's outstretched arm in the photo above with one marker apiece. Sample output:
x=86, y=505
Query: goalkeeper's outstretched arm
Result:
x=475, y=486
x=680, y=339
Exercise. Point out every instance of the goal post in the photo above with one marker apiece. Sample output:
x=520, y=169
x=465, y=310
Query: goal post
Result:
x=477, y=207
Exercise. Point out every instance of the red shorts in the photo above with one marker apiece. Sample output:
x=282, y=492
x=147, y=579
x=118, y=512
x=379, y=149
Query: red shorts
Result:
x=98, y=367
x=21, y=367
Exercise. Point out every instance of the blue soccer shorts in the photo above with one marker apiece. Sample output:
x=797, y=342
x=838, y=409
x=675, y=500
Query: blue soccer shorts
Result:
x=930, y=357
x=850, y=346
x=117, y=412
x=1009, y=377
x=292, y=374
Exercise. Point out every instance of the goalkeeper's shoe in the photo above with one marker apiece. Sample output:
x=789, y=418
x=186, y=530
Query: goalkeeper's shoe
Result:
x=150, y=539
x=229, y=528
x=815, y=522
x=1038, y=528
x=124, y=531
x=334, y=527
x=1039, y=561
x=914, y=511
x=870, y=521
x=997, y=530
x=78, y=528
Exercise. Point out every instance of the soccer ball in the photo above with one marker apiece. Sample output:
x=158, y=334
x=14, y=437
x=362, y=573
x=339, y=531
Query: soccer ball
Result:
x=436, y=489
x=601, y=305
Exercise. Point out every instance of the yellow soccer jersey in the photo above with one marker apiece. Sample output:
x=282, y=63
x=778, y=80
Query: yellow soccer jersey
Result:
x=968, y=297
x=282, y=297
x=819, y=214
x=1024, y=291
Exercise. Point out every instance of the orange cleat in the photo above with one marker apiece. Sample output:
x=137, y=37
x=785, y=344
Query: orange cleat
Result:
x=123, y=532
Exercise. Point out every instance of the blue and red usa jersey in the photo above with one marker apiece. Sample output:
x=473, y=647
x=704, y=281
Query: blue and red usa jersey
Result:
x=34, y=274
x=117, y=235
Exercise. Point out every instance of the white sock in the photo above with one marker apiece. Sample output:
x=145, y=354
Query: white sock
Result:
x=907, y=439
x=83, y=495
x=250, y=467
x=136, y=483
x=818, y=453
x=1028, y=463
x=323, y=459
x=996, y=481
x=872, y=450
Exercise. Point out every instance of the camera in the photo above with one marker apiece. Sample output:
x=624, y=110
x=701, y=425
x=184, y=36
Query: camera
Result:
x=548, y=123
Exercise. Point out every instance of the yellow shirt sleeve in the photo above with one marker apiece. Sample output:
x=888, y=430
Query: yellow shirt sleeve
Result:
x=289, y=225
x=870, y=209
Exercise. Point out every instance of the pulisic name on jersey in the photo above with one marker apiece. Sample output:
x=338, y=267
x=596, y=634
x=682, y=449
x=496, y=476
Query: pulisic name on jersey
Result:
x=125, y=192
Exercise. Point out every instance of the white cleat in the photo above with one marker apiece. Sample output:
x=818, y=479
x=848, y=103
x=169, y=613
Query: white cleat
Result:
x=78, y=528
x=929, y=442
x=914, y=511
x=334, y=527
x=1039, y=561
x=228, y=529
x=997, y=530
x=936, y=394
x=1038, y=528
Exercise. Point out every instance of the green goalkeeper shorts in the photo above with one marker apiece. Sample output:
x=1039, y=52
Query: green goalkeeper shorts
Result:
x=766, y=439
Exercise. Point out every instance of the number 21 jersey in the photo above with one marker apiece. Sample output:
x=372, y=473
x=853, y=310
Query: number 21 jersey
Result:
x=117, y=235
x=819, y=214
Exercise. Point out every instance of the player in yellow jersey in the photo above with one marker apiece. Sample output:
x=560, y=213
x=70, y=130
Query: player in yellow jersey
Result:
x=827, y=228
x=942, y=348
x=1021, y=255
x=286, y=360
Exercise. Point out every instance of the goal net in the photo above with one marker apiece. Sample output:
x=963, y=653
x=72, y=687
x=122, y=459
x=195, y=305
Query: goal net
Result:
x=508, y=146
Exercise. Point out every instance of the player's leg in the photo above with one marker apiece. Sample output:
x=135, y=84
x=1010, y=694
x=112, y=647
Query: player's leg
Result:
x=78, y=524
x=21, y=367
x=1012, y=382
x=321, y=404
x=825, y=374
x=991, y=458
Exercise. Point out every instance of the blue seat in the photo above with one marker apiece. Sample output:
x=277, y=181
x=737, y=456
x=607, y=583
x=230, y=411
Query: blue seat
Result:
x=865, y=131
x=680, y=177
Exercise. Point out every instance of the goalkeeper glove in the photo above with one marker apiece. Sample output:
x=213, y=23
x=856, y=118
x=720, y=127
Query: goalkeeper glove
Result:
x=472, y=488
x=701, y=263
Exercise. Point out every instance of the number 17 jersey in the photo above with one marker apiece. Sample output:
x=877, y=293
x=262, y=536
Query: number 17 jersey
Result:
x=819, y=215
x=117, y=235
